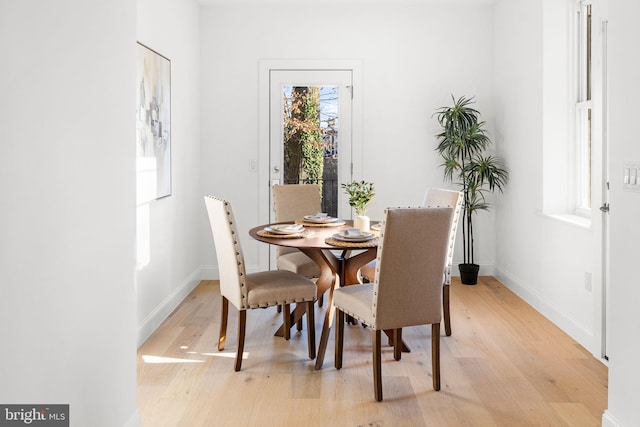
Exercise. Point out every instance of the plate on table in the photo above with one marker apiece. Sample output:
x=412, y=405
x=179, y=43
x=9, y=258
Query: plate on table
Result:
x=320, y=219
x=284, y=229
x=376, y=227
x=354, y=235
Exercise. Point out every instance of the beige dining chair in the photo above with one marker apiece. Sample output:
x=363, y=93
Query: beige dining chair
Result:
x=436, y=197
x=255, y=290
x=292, y=202
x=407, y=285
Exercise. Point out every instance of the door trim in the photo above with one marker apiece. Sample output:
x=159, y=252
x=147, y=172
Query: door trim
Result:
x=604, y=231
x=265, y=68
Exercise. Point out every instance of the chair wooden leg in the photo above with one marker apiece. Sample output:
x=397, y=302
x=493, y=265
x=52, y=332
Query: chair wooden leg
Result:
x=223, y=323
x=311, y=329
x=446, y=309
x=397, y=343
x=377, y=365
x=339, y=338
x=435, y=355
x=242, y=324
x=299, y=323
x=286, y=317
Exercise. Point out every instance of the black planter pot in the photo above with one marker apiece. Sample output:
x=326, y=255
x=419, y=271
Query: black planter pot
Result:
x=469, y=273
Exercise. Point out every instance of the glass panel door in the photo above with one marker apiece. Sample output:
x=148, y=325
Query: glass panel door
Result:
x=310, y=139
x=310, y=132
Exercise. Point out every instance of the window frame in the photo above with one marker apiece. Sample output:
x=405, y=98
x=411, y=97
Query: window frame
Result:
x=582, y=106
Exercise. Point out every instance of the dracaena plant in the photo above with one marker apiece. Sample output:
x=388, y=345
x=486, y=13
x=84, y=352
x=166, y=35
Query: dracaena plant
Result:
x=360, y=195
x=462, y=144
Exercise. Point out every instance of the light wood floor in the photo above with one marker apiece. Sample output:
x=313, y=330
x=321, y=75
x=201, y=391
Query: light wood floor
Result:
x=504, y=365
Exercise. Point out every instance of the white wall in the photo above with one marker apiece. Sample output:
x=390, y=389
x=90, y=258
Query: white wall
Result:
x=542, y=259
x=168, y=233
x=408, y=71
x=624, y=370
x=67, y=216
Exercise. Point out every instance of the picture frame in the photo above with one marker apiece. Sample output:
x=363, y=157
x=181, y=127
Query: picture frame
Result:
x=153, y=125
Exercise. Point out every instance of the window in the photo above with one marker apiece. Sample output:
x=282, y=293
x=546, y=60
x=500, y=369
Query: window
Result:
x=583, y=108
x=571, y=101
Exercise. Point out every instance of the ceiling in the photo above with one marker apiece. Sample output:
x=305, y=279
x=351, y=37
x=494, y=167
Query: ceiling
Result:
x=335, y=2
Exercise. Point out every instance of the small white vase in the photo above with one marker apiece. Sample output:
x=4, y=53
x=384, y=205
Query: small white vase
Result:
x=362, y=223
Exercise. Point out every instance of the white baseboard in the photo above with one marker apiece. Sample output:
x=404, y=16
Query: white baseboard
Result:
x=573, y=328
x=485, y=269
x=209, y=272
x=134, y=421
x=608, y=420
x=166, y=307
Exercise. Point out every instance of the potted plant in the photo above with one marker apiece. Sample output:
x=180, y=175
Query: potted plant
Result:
x=462, y=144
x=360, y=195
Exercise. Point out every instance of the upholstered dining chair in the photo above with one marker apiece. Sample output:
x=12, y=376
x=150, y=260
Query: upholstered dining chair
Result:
x=255, y=290
x=292, y=202
x=407, y=285
x=436, y=197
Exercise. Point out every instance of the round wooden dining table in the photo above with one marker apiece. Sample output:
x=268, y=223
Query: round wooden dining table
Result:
x=337, y=259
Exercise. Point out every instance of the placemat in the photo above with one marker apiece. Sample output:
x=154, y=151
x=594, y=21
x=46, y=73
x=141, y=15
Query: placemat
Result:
x=265, y=233
x=317, y=224
x=339, y=243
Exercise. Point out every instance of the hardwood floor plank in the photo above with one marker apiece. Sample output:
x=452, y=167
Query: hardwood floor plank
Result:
x=576, y=415
x=504, y=365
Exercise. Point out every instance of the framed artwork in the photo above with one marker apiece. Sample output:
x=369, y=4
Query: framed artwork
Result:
x=153, y=125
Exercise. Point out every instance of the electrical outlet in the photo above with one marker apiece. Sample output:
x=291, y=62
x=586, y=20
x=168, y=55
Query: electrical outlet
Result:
x=587, y=282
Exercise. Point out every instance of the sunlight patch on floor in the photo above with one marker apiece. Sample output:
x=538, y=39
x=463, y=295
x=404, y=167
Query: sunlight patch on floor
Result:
x=159, y=359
